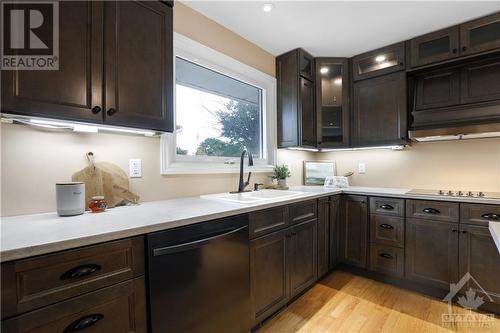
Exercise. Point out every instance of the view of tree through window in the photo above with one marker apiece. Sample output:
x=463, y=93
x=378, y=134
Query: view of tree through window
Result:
x=216, y=115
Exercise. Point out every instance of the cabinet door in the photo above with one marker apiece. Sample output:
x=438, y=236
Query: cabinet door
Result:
x=436, y=46
x=306, y=62
x=437, y=89
x=287, y=81
x=386, y=60
x=354, y=230
x=479, y=256
x=303, y=256
x=307, y=113
x=431, y=252
x=268, y=274
x=334, y=245
x=480, y=35
x=74, y=92
x=481, y=81
x=332, y=96
x=379, y=110
x=323, y=235
x=138, y=67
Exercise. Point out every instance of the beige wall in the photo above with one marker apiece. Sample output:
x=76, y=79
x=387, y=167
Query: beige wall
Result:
x=464, y=165
x=33, y=160
x=200, y=28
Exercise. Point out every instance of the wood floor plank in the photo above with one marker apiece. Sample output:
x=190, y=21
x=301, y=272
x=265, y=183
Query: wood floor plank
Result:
x=343, y=302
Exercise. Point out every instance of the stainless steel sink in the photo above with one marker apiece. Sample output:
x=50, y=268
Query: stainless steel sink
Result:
x=253, y=197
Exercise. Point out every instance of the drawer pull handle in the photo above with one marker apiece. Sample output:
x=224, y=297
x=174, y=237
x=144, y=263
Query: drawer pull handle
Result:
x=387, y=207
x=80, y=271
x=386, y=226
x=491, y=216
x=84, y=322
x=431, y=211
x=386, y=256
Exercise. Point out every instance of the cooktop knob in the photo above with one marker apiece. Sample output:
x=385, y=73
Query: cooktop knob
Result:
x=441, y=192
x=470, y=194
x=480, y=194
x=450, y=192
x=460, y=193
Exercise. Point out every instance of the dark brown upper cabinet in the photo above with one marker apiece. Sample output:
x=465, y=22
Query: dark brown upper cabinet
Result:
x=480, y=35
x=135, y=38
x=379, y=111
x=435, y=46
x=138, y=69
x=295, y=100
x=480, y=81
x=437, y=89
x=382, y=61
x=74, y=92
x=332, y=102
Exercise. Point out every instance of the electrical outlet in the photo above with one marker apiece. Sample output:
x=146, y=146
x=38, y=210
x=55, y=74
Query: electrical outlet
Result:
x=361, y=168
x=135, y=168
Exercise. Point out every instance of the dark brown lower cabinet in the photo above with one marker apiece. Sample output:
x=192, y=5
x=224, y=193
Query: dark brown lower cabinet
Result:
x=334, y=245
x=120, y=308
x=354, y=230
x=269, y=273
x=431, y=252
x=387, y=259
x=323, y=235
x=479, y=256
x=303, y=256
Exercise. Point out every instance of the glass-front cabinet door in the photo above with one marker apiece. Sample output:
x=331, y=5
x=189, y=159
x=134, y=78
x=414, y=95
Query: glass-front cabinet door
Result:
x=480, y=35
x=332, y=82
x=382, y=61
x=436, y=46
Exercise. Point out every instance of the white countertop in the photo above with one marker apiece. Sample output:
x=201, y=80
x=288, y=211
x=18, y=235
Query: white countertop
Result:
x=495, y=232
x=29, y=235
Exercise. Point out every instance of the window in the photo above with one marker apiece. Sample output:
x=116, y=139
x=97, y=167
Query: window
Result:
x=216, y=115
x=221, y=107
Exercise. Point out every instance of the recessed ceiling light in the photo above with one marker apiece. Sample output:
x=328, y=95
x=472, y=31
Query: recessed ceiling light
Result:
x=380, y=58
x=267, y=7
x=323, y=70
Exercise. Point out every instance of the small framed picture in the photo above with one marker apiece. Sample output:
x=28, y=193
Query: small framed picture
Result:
x=315, y=172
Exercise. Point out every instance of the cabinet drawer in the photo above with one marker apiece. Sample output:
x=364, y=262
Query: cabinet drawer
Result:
x=32, y=283
x=265, y=221
x=434, y=210
x=120, y=308
x=387, y=206
x=303, y=211
x=387, y=230
x=387, y=259
x=479, y=214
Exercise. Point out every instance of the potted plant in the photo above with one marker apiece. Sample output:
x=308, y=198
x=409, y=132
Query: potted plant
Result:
x=281, y=173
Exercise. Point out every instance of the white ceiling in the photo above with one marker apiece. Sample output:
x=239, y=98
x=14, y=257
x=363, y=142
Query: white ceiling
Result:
x=341, y=29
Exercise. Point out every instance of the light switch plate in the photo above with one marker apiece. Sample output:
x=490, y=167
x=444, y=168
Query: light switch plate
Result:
x=135, y=168
x=361, y=168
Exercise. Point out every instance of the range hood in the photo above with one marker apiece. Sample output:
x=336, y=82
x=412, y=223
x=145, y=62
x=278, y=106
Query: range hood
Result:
x=456, y=133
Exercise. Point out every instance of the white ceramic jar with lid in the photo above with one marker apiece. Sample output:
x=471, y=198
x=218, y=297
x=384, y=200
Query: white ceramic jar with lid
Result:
x=70, y=198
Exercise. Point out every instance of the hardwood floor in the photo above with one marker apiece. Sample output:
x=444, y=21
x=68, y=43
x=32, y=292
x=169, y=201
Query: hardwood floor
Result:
x=343, y=302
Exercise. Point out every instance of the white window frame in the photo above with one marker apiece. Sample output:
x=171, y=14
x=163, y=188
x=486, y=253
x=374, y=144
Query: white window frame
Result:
x=171, y=163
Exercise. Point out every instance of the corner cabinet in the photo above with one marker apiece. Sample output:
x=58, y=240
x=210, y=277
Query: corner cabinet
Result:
x=332, y=102
x=379, y=111
x=116, y=65
x=295, y=100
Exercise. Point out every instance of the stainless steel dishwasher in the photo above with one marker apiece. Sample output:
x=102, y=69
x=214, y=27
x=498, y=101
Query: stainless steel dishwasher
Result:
x=199, y=278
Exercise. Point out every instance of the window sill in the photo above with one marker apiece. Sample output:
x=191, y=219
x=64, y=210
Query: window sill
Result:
x=193, y=168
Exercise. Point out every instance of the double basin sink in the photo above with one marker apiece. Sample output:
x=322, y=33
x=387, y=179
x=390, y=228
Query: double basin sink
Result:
x=253, y=197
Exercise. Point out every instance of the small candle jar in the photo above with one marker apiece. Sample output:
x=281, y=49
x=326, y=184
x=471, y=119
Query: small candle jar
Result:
x=98, y=204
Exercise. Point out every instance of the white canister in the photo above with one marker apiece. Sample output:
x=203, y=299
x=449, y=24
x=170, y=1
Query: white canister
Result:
x=70, y=198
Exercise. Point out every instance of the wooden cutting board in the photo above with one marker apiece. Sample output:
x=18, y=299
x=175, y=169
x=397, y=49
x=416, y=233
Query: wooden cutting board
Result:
x=108, y=180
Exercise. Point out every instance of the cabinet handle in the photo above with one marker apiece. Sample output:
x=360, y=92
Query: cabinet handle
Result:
x=491, y=216
x=111, y=112
x=387, y=207
x=454, y=230
x=386, y=255
x=431, y=211
x=455, y=50
x=464, y=48
x=96, y=109
x=464, y=231
x=401, y=64
x=386, y=226
x=80, y=271
x=83, y=323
